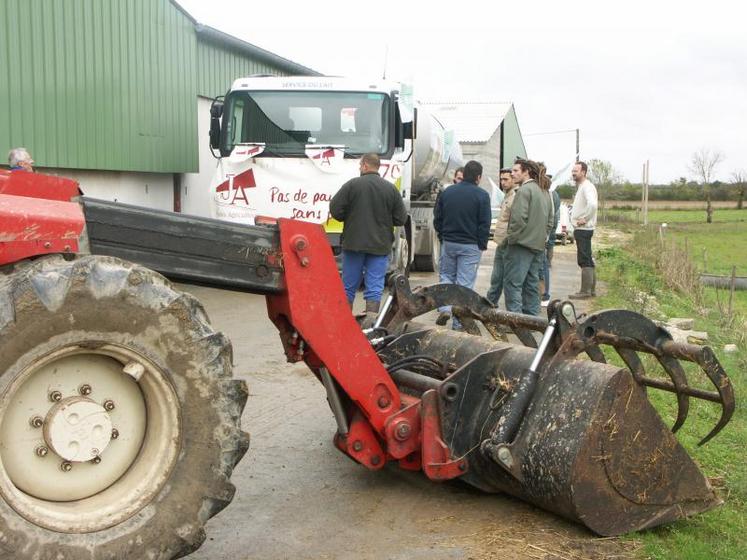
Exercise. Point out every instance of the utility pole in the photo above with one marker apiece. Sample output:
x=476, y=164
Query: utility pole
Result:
x=578, y=145
x=643, y=192
x=646, y=178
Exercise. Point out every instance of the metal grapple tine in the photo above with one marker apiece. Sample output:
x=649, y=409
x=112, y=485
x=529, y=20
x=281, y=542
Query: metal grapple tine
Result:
x=466, y=318
x=491, y=318
x=630, y=331
x=634, y=363
x=706, y=359
x=596, y=354
x=678, y=377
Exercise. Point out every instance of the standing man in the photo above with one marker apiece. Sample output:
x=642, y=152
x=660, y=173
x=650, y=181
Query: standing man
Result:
x=499, y=236
x=462, y=220
x=458, y=176
x=528, y=228
x=550, y=248
x=584, y=219
x=370, y=208
x=19, y=159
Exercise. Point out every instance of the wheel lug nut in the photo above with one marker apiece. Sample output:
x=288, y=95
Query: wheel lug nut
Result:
x=36, y=422
x=66, y=466
x=115, y=433
x=96, y=460
x=109, y=405
x=41, y=451
x=84, y=390
x=55, y=396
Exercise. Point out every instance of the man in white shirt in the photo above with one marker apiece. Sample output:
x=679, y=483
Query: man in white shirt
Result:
x=584, y=219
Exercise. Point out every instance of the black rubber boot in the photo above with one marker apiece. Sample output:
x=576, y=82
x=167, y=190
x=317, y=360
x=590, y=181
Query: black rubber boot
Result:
x=443, y=318
x=587, y=278
x=594, y=281
x=372, y=312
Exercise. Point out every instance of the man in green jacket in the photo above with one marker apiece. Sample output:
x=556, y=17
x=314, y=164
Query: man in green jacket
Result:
x=528, y=228
x=370, y=208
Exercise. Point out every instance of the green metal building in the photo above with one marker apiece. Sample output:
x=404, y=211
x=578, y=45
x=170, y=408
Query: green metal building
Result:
x=113, y=85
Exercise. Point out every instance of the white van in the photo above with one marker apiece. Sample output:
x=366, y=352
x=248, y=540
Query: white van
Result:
x=564, y=231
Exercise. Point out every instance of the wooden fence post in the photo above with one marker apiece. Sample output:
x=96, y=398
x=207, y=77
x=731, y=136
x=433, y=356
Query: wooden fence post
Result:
x=732, y=287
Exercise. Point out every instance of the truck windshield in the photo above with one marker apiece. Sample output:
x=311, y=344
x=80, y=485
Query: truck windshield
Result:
x=288, y=121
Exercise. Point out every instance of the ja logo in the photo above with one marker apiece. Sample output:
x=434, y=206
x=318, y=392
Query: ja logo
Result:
x=233, y=189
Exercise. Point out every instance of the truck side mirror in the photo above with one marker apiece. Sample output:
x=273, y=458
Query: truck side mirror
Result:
x=410, y=130
x=216, y=109
x=404, y=130
x=216, y=112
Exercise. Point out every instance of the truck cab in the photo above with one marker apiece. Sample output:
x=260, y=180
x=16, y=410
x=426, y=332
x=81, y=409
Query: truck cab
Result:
x=287, y=144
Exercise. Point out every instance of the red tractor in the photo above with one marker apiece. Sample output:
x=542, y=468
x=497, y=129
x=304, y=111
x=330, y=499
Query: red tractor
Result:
x=120, y=422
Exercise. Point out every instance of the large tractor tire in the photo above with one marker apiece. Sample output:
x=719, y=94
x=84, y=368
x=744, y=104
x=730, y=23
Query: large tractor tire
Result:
x=119, y=419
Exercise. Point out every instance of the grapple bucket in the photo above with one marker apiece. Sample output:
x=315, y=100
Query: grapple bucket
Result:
x=574, y=436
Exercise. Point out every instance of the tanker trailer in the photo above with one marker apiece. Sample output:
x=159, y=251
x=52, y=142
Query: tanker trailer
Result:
x=437, y=155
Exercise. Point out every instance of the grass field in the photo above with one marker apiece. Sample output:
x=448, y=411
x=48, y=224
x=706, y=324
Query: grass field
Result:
x=716, y=248
x=721, y=533
x=679, y=216
x=671, y=204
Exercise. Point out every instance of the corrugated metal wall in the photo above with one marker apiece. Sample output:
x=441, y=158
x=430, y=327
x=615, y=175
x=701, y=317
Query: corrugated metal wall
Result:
x=218, y=67
x=99, y=84
x=109, y=84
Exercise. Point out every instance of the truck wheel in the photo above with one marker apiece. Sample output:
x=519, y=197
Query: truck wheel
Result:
x=403, y=263
x=119, y=420
x=429, y=263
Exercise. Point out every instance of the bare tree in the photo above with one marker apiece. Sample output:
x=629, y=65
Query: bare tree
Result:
x=703, y=165
x=603, y=175
x=739, y=180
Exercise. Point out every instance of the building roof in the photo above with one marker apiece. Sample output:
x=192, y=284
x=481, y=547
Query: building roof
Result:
x=472, y=121
x=206, y=32
x=210, y=33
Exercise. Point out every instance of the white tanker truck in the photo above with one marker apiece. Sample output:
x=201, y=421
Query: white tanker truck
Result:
x=287, y=144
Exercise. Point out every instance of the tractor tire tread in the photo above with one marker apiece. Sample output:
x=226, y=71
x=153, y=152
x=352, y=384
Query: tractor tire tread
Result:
x=172, y=525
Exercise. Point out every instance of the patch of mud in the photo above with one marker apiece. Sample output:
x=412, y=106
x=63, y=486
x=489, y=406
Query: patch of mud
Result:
x=528, y=535
x=610, y=237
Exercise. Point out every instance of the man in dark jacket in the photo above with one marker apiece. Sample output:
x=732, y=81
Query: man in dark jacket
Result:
x=370, y=208
x=462, y=220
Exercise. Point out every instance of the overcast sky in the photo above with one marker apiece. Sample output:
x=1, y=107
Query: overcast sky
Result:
x=641, y=80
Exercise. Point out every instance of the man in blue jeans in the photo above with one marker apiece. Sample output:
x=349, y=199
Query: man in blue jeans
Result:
x=501, y=226
x=462, y=221
x=528, y=228
x=370, y=208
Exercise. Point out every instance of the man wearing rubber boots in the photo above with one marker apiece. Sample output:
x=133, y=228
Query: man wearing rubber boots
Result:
x=370, y=208
x=584, y=219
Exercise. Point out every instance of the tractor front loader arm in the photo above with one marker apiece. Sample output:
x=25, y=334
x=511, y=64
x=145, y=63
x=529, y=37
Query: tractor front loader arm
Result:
x=293, y=266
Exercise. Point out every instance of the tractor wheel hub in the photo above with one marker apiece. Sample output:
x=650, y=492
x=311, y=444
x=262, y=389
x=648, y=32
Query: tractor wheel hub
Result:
x=78, y=429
